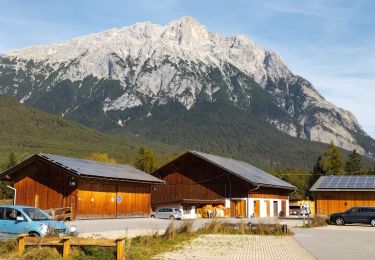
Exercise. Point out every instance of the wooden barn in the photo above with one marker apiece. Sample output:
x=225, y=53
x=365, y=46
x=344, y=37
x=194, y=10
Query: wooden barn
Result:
x=93, y=189
x=338, y=193
x=197, y=180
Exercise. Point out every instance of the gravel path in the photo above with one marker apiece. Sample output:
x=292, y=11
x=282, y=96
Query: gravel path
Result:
x=240, y=247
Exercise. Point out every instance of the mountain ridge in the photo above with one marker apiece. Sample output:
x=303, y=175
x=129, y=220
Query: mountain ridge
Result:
x=121, y=74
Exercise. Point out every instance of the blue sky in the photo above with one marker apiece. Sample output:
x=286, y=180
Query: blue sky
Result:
x=329, y=42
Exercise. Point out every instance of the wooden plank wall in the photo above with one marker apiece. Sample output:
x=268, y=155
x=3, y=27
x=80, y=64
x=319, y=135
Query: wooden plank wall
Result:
x=98, y=199
x=269, y=193
x=193, y=178
x=336, y=201
x=43, y=186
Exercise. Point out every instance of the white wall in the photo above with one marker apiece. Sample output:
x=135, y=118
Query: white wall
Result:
x=263, y=207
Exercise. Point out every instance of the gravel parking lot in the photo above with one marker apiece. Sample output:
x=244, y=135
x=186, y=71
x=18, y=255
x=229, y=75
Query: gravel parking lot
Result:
x=240, y=247
x=338, y=242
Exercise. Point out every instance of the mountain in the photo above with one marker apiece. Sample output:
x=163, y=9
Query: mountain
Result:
x=26, y=131
x=124, y=77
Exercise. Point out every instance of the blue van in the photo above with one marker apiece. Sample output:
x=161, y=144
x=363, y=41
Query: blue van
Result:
x=15, y=220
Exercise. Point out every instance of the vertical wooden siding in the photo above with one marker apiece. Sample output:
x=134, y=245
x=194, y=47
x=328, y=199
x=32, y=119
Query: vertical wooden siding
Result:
x=193, y=178
x=336, y=201
x=110, y=199
x=45, y=185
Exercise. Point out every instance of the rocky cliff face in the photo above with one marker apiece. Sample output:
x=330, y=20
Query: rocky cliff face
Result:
x=106, y=79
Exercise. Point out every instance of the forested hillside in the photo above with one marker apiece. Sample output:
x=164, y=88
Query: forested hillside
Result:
x=26, y=131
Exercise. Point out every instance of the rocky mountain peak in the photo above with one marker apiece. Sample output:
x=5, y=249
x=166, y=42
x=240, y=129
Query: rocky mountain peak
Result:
x=125, y=73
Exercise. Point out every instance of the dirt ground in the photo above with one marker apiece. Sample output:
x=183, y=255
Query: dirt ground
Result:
x=240, y=247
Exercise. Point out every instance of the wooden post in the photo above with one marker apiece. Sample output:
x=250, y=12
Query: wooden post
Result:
x=21, y=243
x=66, y=246
x=120, y=243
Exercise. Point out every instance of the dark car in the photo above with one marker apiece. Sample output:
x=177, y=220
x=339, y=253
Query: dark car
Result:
x=365, y=215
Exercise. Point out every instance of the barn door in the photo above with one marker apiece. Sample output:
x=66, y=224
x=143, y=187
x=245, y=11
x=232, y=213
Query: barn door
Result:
x=96, y=200
x=133, y=201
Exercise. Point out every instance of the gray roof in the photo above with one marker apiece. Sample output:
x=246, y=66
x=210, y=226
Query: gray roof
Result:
x=245, y=171
x=90, y=168
x=345, y=183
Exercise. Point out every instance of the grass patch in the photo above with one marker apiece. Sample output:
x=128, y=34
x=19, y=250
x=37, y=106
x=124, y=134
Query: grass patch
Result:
x=145, y=247
x=317, y=221
x=242, y=228
x=6, y=202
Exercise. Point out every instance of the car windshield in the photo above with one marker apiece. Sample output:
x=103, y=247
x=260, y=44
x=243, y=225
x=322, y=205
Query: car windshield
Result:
x=36, y=214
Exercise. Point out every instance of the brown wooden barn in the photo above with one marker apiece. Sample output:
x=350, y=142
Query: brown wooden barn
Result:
x=339, y=193
x=195, y=180
x=93, y=189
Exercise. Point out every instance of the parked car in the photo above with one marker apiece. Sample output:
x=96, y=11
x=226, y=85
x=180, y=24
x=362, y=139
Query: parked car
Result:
x=295, y=210
x=16, y=220
x=171, y=213
x=364, y=215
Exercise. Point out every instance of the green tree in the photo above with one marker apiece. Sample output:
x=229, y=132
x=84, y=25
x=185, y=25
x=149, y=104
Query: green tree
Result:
x=146, y=160
x=353, y=164
x=12, y=161
x=6, y=193
x=296, y=177
x=101, y=157
x=317, y=171
x=332, y=160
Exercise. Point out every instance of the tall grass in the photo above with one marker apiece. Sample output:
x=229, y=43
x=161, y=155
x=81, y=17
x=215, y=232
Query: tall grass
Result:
x=222, y=227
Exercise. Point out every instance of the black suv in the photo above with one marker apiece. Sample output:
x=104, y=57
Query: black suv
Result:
x=355, y=215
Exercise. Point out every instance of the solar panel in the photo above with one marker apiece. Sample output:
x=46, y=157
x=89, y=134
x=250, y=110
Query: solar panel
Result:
x=348, y=182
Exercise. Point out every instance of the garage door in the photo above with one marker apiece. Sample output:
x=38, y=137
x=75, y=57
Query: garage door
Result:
x=133, y=201
x=96, y=200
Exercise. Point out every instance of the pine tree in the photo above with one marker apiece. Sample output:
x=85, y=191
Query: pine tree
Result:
x=318, y=171
x=353, y=164
x=4, y=191
x=332, y=160
x=146, y=160
x=12, y=161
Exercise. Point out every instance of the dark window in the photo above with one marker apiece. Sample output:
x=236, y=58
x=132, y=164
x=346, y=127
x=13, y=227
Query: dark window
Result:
x=161, y=210
x=354, y=210
x=12, y=214
x=2, y=213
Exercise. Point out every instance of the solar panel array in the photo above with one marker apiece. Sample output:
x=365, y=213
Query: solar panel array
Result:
x=99, y=169
x=348, y=182
x=245, y=170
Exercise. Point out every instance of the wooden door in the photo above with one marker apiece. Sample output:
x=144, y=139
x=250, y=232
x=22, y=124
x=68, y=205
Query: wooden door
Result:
x=96, y=200
x=240, y=208
x=257, y=208
x=283, y=206
x=133, y=200
x=267, y=207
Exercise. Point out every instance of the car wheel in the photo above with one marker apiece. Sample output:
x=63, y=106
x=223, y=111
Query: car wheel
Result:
x=152, y=216
x=171, y=217
x=372, y=222
x=34, y=234
x=339, y=221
